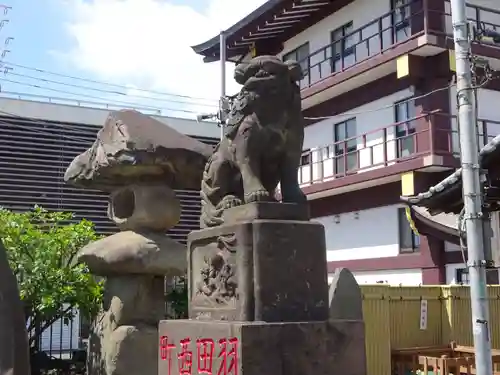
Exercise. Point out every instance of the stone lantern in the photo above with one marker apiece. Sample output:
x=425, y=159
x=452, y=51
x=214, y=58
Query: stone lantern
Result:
x=139, y=161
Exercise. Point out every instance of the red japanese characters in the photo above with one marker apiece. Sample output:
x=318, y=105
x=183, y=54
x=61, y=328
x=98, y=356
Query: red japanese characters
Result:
x=227, y=356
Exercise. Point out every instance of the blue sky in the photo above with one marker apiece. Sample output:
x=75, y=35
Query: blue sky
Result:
x=44, y=39
x=38, y=29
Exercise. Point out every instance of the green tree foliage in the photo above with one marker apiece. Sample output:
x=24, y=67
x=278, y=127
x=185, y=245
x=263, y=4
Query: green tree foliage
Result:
x=41, y=247
x=177, y=298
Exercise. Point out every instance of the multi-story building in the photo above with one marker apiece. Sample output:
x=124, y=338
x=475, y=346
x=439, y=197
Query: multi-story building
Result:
x=381, y=107
x=38, y=142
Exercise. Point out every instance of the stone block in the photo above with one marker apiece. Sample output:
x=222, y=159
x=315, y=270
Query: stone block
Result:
x=266, y=211
x=260, y=270
x=346, y=300
x=257, y=348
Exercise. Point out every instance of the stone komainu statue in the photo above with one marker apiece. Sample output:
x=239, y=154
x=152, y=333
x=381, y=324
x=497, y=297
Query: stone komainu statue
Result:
x=263, y=141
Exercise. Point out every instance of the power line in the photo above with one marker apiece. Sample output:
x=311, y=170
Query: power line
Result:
x=307, y=118
x=42, y=122
x=389, y=106
x=59, y=100
x=107, y=83
x=109, y=91
x=98, y=98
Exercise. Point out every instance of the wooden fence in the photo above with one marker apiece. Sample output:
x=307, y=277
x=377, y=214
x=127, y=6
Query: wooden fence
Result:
x=405, y=317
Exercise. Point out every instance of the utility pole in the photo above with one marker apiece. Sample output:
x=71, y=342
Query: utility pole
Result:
x=222, y=102
x=473, y=205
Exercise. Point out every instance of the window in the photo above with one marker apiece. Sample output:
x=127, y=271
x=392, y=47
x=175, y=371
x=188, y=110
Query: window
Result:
x=343, y=47
x=305, y=159
x=400, y=19
x=299, y=54
x=409, y=242
x=346, y=155
x=462, y=276
x=405, y=140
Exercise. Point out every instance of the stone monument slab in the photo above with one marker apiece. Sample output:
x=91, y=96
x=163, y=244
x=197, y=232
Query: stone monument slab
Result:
x=264, y=270
x=346, y=300
x=258, y=348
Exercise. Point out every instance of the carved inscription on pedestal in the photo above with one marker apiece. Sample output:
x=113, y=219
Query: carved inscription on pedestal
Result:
x=214, y=279
x=202, y=355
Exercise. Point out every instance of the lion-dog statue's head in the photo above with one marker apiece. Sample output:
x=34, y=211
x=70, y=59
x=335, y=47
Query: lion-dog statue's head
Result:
x=267, y=72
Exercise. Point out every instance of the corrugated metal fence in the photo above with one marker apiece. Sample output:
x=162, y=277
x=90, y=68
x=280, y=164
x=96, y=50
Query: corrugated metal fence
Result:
x=404, y=317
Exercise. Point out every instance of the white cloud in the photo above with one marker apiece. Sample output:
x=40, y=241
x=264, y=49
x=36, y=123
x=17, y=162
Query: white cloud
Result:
x=147, y=43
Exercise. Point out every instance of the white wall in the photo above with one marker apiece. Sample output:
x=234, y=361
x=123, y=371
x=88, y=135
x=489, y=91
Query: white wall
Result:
x=321, y=134
x=62, y=338
x=94, y=116
x=409, y=277
x=488, y=110
x=362, y=234
x=360, y=12
x=451, y=272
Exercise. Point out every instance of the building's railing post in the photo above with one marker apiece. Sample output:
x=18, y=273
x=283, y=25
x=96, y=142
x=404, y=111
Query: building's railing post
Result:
x=384, y=142
x=425, y=8
x=431, y=130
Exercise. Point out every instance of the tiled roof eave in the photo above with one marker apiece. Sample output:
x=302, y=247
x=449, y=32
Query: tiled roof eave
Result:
x=210, y=44
x=489, y=157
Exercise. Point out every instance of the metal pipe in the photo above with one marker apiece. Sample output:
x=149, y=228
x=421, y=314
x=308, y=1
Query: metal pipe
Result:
x=222, y=115
x=471, y=180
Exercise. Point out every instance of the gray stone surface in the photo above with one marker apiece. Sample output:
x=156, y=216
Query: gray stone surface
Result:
x=266, y=270
x=345, y=298
x=131, y=253
x=266, y=211
x=257, y=271
x=133, y=147
x=150, y=207
x=124, y=336
x=263, y=142
x=139, y=160
x=14, y=353
x=291, y=348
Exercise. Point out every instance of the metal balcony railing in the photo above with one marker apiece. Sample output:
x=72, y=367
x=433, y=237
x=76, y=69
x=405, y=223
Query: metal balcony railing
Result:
x=395, y=143
x=481, y=17
x=486, y=131
x=383, y=33
x=409, y=21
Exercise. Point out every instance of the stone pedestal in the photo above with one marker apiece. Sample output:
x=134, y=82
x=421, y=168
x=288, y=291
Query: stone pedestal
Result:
x=124, y=335
x=257, y=348
x=276, y=268
x=258, y=301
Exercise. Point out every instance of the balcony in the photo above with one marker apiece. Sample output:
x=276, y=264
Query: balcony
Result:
x=482, y=17
x=392, y=145
x=387, y=32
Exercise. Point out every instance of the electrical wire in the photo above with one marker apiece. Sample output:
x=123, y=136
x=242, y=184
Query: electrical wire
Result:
x=111, y=91
x=345, y=114
x=389, y=106
x=41, y=122
x=107, y=83
x=307, y=118
x=489, y=75
x=98, y=98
